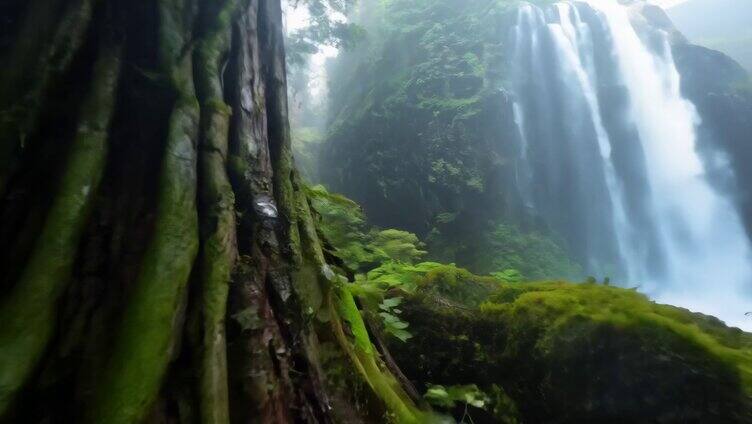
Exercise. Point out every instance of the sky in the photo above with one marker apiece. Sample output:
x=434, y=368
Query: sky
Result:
x=668, y=3
x=296, y=18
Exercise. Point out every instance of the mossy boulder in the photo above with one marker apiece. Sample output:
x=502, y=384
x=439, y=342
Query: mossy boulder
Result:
x=563, y=352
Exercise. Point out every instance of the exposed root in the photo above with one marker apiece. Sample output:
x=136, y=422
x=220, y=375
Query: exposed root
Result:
x=28, y=312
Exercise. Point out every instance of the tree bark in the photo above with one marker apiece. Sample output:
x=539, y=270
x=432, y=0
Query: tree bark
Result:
x=169, y=269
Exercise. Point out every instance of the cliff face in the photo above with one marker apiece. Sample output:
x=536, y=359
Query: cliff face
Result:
x=718, y=86
x=722, y=92
x=424, y=134
x=722, y=25
x=417, y=127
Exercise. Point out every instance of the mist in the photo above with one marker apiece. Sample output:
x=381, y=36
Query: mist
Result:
x=611, y=151
x=376, y=211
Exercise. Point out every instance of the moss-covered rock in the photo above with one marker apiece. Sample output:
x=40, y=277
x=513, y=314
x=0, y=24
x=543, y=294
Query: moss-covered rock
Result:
x=422, y=134
x=562, y=352
x=410, y=126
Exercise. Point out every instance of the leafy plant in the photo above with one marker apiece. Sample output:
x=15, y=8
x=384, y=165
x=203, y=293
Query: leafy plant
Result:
x=399, y=275
x=401, y=246
x=448, y=397
x=327, y=26
x=392, y=322
x=359, y=245
x=508, y=276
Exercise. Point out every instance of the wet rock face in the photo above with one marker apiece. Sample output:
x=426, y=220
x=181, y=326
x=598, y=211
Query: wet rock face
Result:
x=425, y=129
x=721, y=91
x=408, y=168
x=649, y=17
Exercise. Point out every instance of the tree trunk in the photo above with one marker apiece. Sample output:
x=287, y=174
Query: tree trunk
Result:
x=161, y=261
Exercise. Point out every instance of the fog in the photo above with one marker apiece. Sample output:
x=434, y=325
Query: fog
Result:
x=613, y=149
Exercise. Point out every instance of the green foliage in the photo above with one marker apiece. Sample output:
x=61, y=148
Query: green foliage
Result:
x=400, y=246
x=360, y=246
x=323, y=29
x=419, y=133
x=449, y=281
x=533, y=254
x=447, y=397
x=248, y=319
x=392, y=322
x=410, y=125
x=399, y=275
x=508, y=276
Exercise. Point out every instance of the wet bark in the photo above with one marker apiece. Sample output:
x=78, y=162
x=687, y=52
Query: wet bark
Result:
x=165, y=266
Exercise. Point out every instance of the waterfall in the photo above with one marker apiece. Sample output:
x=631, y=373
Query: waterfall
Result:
x=608, y=158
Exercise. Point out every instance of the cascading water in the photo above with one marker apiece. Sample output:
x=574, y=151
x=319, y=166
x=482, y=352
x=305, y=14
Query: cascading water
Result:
x=609, y=160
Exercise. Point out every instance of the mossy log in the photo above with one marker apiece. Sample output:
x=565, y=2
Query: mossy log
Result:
x=173, y=272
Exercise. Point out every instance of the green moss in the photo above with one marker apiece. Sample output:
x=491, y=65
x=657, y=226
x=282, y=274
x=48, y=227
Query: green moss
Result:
x=558, y=305
x=28, y=312
x=217, y=215
x=363, y=357
x=144, y=341
x=574, y=352
x=313, y=278
x=348, y=310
